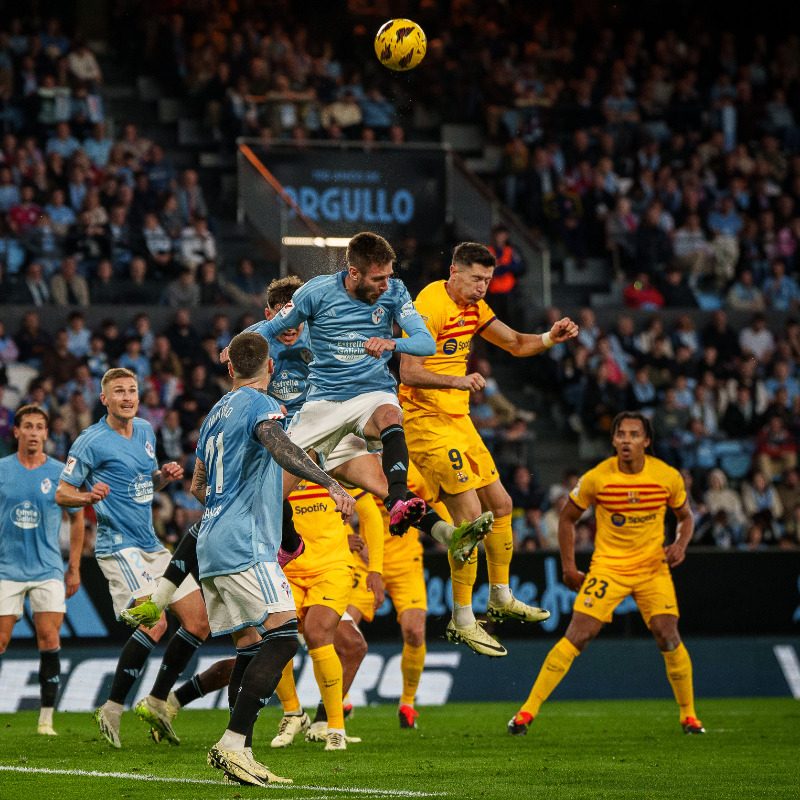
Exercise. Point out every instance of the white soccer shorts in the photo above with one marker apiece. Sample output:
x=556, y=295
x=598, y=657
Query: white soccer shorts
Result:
x=133, y=573
x=45, y=596
x=246, y=598
x=321, y=425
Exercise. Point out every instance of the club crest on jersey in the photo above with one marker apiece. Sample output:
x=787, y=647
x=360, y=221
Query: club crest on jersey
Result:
x=377, y=315
x=462, y=477
x=633, y=497
x=306, y=355
x=588, y=602
x=148, y=448
x=46, y=485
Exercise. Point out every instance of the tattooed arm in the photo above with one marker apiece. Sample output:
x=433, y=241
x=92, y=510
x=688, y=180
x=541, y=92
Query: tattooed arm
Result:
x=199, y=481
x=295, y=461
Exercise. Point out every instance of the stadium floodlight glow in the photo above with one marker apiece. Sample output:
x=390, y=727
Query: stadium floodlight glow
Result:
x=315, y=241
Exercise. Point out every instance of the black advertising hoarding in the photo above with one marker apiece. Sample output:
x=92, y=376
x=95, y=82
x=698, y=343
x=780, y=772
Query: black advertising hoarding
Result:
x=388, y=191
x=719, y=594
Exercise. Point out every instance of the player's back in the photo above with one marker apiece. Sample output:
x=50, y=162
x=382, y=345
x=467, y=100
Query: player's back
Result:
x=339, y=324
x=29, y=521
x=241, y=524
x=317, y=521
x=453, y=329
x=630, y=510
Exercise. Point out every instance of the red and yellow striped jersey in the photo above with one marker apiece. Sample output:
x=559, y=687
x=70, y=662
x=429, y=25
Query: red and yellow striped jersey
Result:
x=452, y=328
x=630, y=511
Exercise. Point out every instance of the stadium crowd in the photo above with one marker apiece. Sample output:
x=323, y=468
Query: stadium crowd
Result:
x=674, y=155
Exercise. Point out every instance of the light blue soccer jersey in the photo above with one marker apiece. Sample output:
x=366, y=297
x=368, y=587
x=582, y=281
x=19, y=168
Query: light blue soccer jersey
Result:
x=289, y=382
x=124, y=517
x=338, y=327
x=244, y=497
x=30, y=521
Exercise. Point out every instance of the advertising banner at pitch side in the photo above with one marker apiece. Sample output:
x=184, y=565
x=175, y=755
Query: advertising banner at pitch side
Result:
x=385, y=191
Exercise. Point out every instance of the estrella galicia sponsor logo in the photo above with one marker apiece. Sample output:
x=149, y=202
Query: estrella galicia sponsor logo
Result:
x=378, y=314
x=618, y=520
x=285, y=386
x=450, y=347
x=46, y=486
x=25, y=515
x=148, y=448
x=140, y=489
x=350, y=348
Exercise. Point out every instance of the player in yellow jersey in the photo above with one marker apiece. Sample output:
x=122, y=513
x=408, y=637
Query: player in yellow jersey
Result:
x=630, y=493
x=443, y=442
x=404, y=582
x=322, y=580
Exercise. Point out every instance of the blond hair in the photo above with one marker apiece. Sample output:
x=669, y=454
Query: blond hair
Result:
x=115, y=373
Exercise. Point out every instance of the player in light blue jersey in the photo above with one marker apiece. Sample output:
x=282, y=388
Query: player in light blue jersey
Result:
x=351, y=396
x=116, y=459
x=242, y=451
x=30, y=559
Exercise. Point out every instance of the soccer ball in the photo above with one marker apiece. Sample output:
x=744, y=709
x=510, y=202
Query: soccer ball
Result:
x=400, y=44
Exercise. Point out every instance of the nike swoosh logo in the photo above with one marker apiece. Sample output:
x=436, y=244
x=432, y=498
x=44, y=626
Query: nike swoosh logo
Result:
x=669, y=606
x=416, y=601
x=328, y=598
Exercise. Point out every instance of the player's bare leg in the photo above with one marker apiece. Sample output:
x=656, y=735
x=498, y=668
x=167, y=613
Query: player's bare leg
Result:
x=664, y=628
x=412, y=662
x=499, y=546
x=366, y=473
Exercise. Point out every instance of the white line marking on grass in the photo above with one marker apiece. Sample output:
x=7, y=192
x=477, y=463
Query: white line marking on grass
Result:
x=156, y=779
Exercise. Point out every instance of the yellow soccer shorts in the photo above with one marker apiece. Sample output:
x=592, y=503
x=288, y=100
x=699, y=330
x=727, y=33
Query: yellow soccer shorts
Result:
x=604, y=589
x=331, y=588
x=449, y=453
x=404, y=582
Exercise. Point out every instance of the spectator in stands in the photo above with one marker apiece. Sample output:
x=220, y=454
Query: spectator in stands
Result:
x=642, y=395
x=9, y=352
x=210, y=289
x=61, y=215
x=58, y=363
x=134, y=359
x=246, y=288
x=776, y=448
x=190, y=197
x=121, y=238
x=692, y=250
x=668, y=420
x=744, y=295
x=762, y=504
x=105, y=288
x=183, y=291
x=85, y=383
x=151, y=409
x=62, y=141
x=182, y=336
x=197, y=244
x=161, y=173
x=138, y=289
x=756, y=340
x=781, y=293
x=345, y=113
x=782, y=378
x=78, y=334
x=44, y=244
x=641, y=294
x=9, y=191
x=676, y=290
x=88, y=243
x=67, y=287
x=740, y=420
x=32, y=290
x=77, y=414
x=23, y=215
x=159, y=245
x=98, y=145
x=134, y=144
x=621, y=227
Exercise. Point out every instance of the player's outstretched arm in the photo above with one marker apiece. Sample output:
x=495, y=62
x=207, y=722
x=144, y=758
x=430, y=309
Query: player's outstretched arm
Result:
x=570, y=514
x=294, y=460
x=418, y=340
x=169, y=473
x=68, y=496
x=72, y=577
x=413, y=372
x=529, y=344
x=675, y=553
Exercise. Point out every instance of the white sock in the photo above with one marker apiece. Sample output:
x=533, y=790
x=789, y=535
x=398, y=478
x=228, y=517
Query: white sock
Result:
x=113, y=710
x=163, y=593
x=463, y=616
x=231, y=741
x=443, y=532
x=336, y=730
x=154, y=702
x=499, y=594
x=46, y=716
x=298, y=712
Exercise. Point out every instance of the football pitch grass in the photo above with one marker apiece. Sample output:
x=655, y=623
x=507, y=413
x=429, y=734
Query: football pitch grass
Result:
x=599, y=749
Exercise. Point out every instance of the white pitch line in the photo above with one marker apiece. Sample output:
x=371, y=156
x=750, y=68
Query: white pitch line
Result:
x=155, y=779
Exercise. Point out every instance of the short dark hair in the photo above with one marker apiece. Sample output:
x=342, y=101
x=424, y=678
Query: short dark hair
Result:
x=249, y=353
x=469, y=253
x=635, y=415
x=366, y=249
x=281, y=290
x=25, y=411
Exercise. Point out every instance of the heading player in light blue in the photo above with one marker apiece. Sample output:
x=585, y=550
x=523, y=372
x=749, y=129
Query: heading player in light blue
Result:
x=30, y=559
x=116, y=458
x=242, y=451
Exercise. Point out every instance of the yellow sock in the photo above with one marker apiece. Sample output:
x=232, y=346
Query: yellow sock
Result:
x=463, y=574
x=328, y=672
x=499, y=546
x=286, y=689
x=679, y=672
x=555, y=667
x=411, y=663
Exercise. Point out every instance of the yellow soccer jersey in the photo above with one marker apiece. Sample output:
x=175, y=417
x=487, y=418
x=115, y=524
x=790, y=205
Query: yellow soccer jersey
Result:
x=320, y=525
x=630, y=511
x=452, y=328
